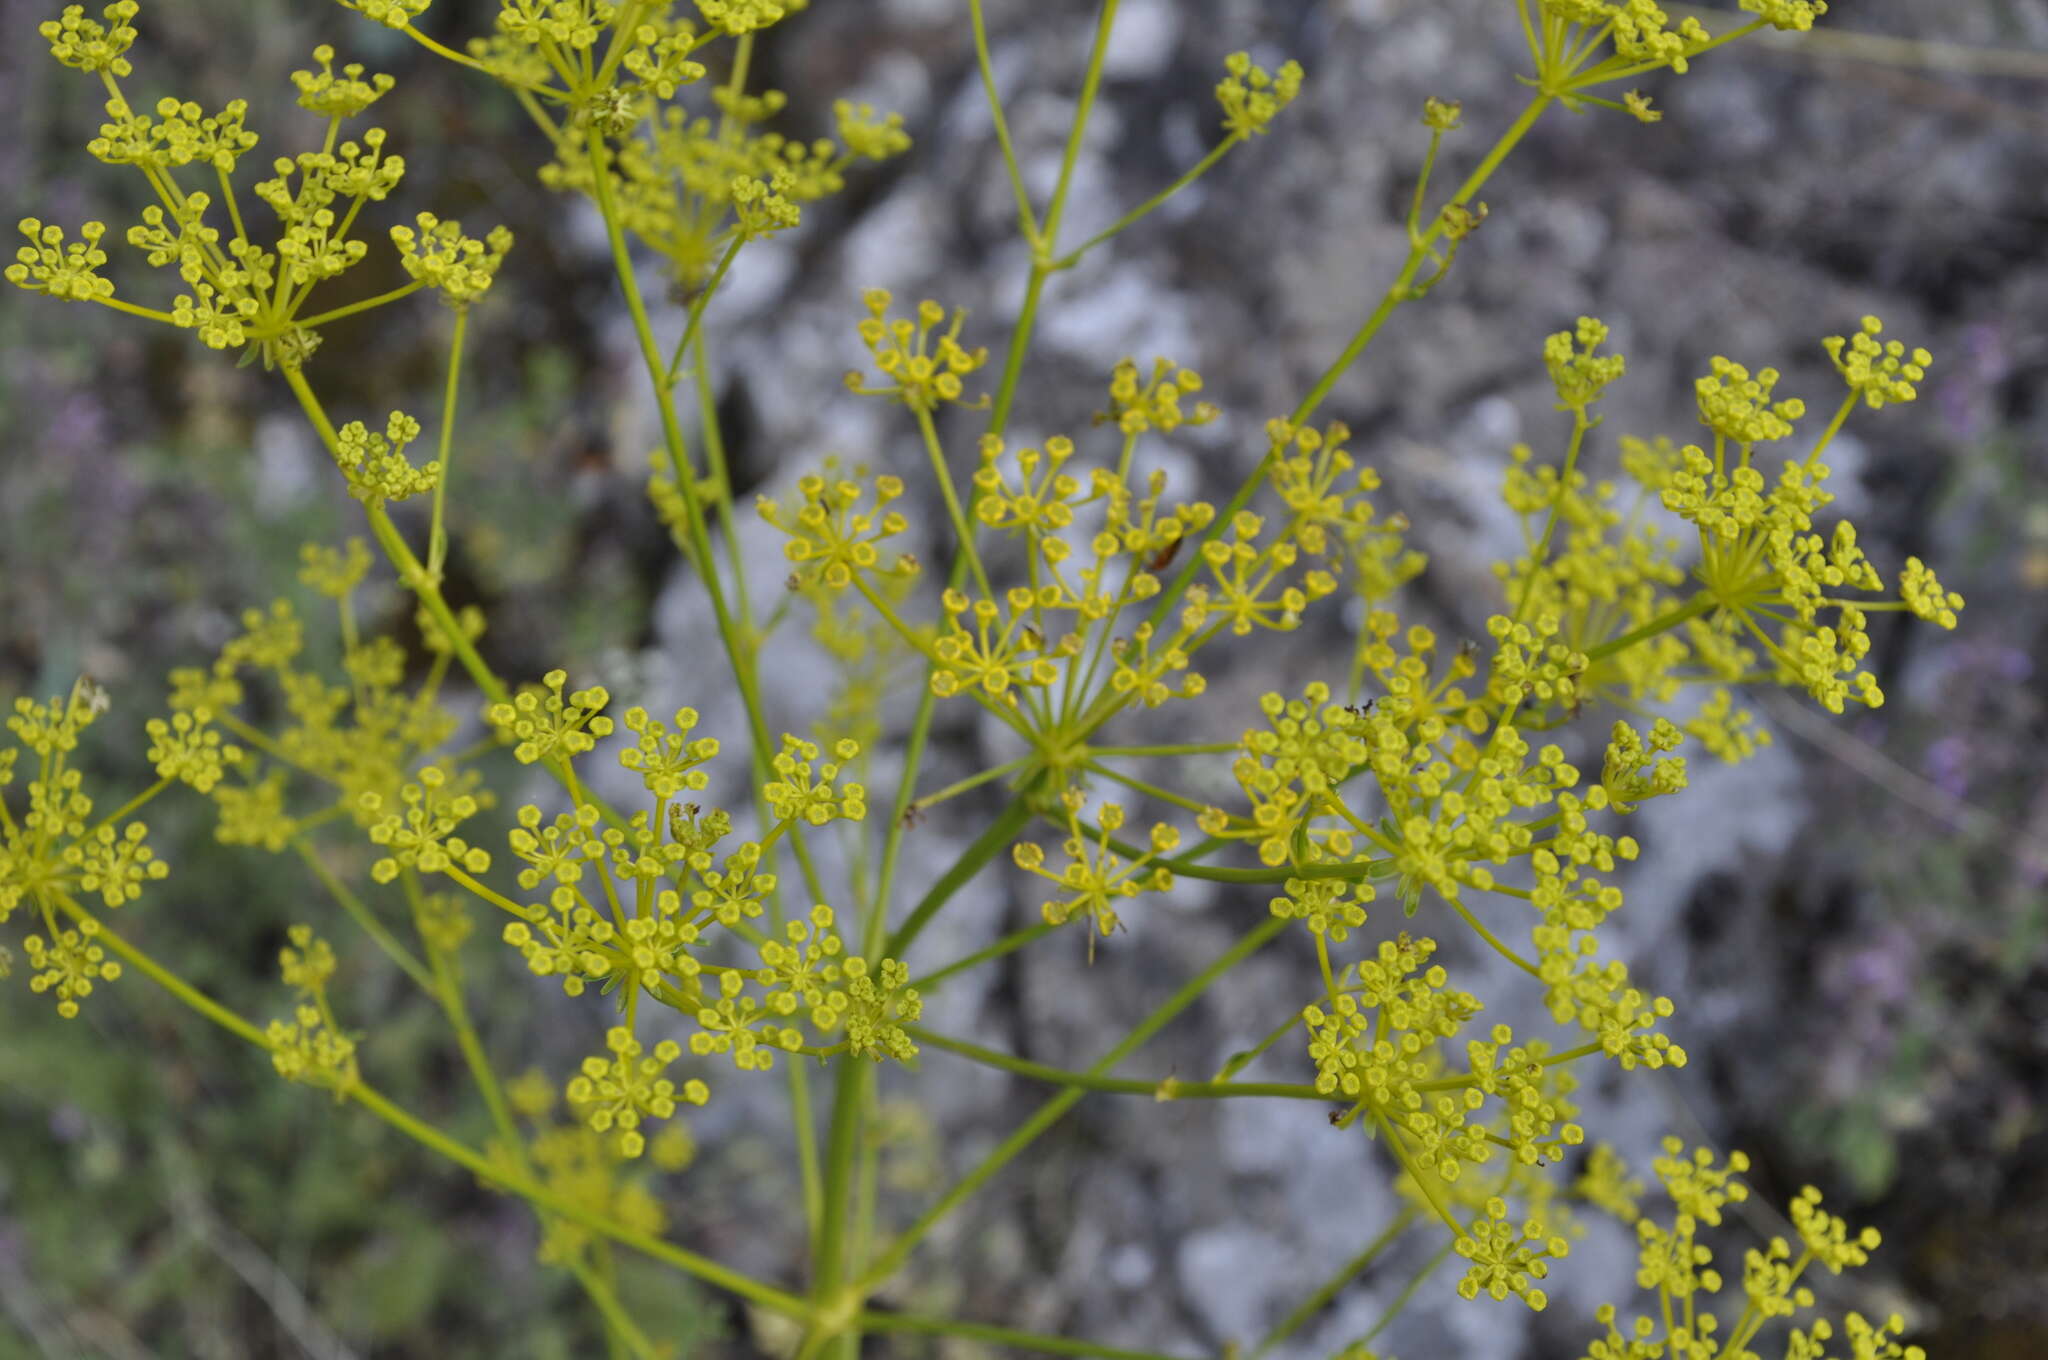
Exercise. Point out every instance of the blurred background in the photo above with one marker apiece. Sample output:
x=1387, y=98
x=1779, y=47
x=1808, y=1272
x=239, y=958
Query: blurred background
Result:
x=1853, y=924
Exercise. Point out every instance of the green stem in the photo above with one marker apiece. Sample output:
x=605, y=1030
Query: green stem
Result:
x=674, y=371
x=1541, y=553
x=991, y=842
x=309, y=322
x=1346, y=1273
x=164, y=977
x=128, y=808
x=437, y=536
x=1010, y=943
x=1397, y=293
x=1494, y=941
x=738, y=653
x=1159, y=1088
x=617, y=1322
x=1834, y=428
x=1408, y=1291
x=829, y=1257
x=146, y=313
x=1073, y=257
x=1025, y=219
x=361, y=915
x=1237, y=1062
x=703, y=1267
x=1048, y=1114
x=427, y=1136
x=973, y=781
x=1699, y=604
x=944, y=476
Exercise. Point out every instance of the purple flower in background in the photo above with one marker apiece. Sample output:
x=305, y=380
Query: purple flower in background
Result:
x=1964, y=398
x=1947, y=764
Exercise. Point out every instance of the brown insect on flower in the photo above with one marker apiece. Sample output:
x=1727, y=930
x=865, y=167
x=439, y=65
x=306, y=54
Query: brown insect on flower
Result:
x=1163, y=559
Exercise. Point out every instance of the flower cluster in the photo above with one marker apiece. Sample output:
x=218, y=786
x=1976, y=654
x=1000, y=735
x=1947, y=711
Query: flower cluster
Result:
x=693, y=186
x=615, y=1094
x=547, y=726
x=52, y=856
x=922, y=364
x=311, y=1047
x=1679, y=1266
x=1251, y=97
x=578, y=1165
x=831, y=537
x=1096, y=877
x=459, y=267
x=241, y=290
x=375, y=464
x=1155, y=404
x=1772, y=598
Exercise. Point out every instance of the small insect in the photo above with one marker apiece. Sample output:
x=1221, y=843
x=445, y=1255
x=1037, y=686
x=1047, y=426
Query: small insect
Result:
x=913, y=815
x=1163, y=559
x=90, y=695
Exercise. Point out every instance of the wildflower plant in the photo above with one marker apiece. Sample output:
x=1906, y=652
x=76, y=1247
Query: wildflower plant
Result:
x=1415, y=791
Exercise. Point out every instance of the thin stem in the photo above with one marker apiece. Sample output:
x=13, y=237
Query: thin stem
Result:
x=697, y=305
x=1398, y=291
x=999, y=834
x=617, y=1322
x=738, y=654
x=1699, y=604
x=361, y=915
x=1408, y=1291
x=1159, y=1088
x=721, y=480
x=1140, y=786
x=703, y=1267
x=437, y=535
x=309, y=322
x=1195, y=172
x=164, y=977
x=1492, y=940
x=146, y=313
x=1009, y=944
x=1237, y=1062
x=1346, y=1273
x=1834, y=428
x=944, y=476
x=1425, y=1178
x=1025, y=219
x=490, y=1170
x=1541, y=553
x=973, y=781
x=1049, y=1113
x=1473, y=183
x=126, y=809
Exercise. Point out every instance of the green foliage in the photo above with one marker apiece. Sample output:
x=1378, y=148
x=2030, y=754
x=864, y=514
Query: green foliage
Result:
x=1696, y=571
